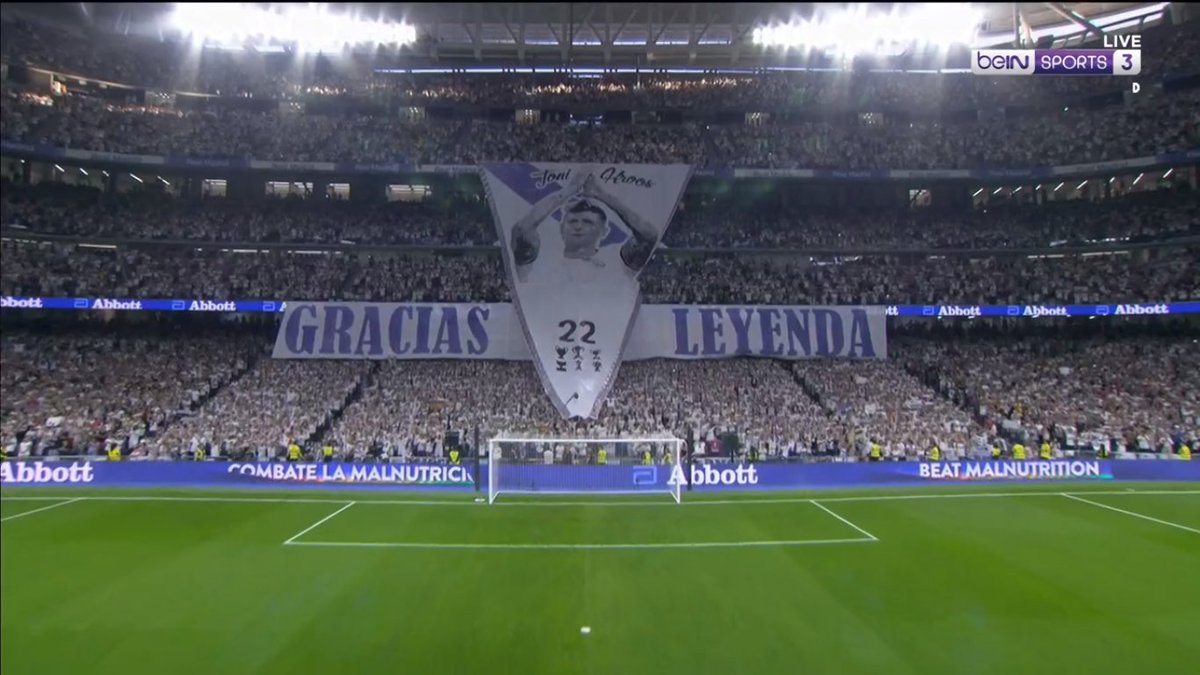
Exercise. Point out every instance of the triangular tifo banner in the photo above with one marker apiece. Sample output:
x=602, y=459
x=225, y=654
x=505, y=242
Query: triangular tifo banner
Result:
x=574, y=239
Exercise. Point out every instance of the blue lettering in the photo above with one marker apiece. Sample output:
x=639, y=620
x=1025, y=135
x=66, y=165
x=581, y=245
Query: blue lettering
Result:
x=830, y=335
x=768, y=318
x=448, y=333
x=741, y=328
x=475, y=318
x=798, y=333
x=860, y=335
x=396, y=340
x=338, y=321
x=711, y=328
x=424, y=315
x=683, y=346
x=300, y=338
x=371, y=333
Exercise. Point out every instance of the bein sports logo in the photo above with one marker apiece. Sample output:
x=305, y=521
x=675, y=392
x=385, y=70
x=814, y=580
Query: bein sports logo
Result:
x=43, y=473
x=1002, y=61
x=707, y=474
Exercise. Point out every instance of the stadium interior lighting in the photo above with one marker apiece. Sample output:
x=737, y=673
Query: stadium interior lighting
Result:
x=310, y=26
x=1168, y=173
x=134, y=176
x=857, y=30
x=976, y=193
x=59, y=169
x=1059, y=186
x=997, y=191
x=1080, y=186
x=84, y=171
x=1019, y=188
x=1139, y=177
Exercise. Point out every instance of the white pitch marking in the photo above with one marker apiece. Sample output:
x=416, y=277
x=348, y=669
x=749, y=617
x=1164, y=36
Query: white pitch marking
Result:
x=585, y=629
x=44, y=508
x=699, y=502
x=574, y=547
x=317, y=524
x=860, y=530
x=1130, y=513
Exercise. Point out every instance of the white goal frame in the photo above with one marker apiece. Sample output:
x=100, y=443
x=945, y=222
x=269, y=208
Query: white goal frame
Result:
x=673, y=486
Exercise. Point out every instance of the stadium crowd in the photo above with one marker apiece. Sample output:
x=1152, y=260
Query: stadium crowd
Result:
x=1139, y=394
x=166, y=398
x=62, y=270
x=78, y=394
x=60, y=209
x=1152, y=126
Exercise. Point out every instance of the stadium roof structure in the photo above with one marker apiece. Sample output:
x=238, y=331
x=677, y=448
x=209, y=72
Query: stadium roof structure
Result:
x=656, y=34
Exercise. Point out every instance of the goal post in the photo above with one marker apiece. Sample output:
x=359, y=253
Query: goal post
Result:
x=566, y=466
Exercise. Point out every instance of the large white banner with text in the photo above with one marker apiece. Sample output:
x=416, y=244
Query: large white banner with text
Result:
x=371, y=330
x=574, y=238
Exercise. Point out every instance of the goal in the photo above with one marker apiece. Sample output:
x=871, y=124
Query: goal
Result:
x=565, y=466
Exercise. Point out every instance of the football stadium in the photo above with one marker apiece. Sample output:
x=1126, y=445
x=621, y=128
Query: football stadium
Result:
x=582, y=338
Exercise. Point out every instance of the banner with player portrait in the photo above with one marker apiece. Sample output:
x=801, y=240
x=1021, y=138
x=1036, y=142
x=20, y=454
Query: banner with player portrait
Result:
x=574, y=238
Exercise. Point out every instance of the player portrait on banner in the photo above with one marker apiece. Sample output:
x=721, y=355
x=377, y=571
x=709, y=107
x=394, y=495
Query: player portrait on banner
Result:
x=575, y=237
x=590, y=219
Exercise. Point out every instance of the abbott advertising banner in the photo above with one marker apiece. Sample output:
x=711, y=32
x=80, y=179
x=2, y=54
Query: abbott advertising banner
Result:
x=574, y=238
x=364, y=330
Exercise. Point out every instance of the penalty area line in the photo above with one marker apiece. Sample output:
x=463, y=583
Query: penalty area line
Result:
x=577, y=547
x=857, y=528
x=1130, y=513
x=315, y=525
x=44, y=508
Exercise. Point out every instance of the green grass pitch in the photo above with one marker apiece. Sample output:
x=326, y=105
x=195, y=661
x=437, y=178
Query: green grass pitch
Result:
x=959, y=580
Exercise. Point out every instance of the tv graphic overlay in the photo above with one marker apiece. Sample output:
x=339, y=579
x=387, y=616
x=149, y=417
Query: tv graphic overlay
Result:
x=1120, y=55
x=574, y=238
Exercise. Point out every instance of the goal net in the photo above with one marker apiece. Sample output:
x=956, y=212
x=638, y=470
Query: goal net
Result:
x=584, y=466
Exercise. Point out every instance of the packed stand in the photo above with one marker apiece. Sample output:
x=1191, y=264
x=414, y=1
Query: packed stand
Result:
x=1149, y=216
x=1153, y=126
x=885, y=404
x=82, y=394
x=877, y=280
x=50, y=208
x=86, y=123
x=59, y=270
x=59, y=209
x=1137, y=395
x=258, y=415
x=408, y=406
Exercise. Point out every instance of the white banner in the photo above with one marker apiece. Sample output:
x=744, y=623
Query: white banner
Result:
x=368, y=330
x=574, y=238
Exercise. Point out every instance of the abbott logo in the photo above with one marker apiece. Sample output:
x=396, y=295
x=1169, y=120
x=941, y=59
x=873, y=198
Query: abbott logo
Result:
x=707, y=474
x=43, y=472
x=1002, y=61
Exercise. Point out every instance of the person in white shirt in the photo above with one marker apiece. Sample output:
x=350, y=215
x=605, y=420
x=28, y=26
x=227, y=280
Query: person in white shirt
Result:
x=548, y=456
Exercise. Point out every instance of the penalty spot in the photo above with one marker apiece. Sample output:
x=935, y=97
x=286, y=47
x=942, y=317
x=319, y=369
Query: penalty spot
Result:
x=584, y=630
